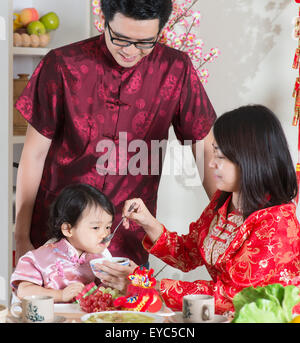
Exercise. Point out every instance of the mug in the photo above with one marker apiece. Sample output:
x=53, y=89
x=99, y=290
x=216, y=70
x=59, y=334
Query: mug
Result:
x=120, y=260
x=197, y=308
x=34, y=309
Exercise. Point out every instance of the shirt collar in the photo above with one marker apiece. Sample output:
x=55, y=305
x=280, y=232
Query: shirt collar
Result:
x=67, y=248
x=223, y=210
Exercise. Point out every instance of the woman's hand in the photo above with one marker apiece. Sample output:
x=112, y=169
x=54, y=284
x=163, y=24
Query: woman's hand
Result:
x=142, y=216
x=115, y=275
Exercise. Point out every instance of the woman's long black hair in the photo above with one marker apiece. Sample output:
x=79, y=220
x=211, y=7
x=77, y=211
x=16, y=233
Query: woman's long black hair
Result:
x=252, y=138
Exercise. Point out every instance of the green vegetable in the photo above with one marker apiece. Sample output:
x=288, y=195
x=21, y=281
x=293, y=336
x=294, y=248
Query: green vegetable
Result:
x=270, y=304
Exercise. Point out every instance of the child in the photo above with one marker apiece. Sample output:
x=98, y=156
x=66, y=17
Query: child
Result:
x=80, y=218
x=249, y=234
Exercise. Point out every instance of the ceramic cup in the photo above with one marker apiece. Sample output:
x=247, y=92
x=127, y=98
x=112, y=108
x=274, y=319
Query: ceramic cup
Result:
x=120, y=260
x=34, y=309
x=3, y=313
x=197, y=308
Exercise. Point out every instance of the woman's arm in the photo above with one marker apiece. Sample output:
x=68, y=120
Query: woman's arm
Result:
x=30, y=171
x=181, y=252
x=60, y=295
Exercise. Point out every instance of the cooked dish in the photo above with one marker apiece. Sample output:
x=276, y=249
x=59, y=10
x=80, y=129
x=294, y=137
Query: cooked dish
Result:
x=119, y=317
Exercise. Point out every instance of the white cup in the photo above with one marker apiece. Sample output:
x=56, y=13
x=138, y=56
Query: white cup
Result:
x=198, y=308
x=120, y=260
x=34, y=309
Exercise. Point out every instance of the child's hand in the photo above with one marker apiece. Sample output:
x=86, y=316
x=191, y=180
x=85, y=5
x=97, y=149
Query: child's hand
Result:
x=71, y=291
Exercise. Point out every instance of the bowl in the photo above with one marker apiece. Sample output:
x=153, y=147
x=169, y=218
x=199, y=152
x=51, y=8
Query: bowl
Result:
x=124, y=261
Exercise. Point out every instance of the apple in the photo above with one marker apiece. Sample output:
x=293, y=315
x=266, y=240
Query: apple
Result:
x=36, y=28
x=50, y=21
x=27, y=15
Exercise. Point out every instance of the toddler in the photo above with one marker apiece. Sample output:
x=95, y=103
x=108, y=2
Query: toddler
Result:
x=79, y=219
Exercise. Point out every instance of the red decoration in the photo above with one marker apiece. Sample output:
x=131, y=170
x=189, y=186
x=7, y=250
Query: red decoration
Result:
x=141, y=295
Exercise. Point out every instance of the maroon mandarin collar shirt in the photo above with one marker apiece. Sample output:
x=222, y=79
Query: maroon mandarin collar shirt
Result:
x=95, y=111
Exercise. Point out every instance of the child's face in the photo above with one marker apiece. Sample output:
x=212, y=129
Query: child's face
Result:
x=92, y=227
x=226, y=173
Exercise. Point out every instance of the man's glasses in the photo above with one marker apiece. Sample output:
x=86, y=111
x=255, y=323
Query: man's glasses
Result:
x=126, y=43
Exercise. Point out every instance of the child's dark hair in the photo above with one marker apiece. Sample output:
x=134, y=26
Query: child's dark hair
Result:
x=138, y=9
x=252, y=138
x=71, y=202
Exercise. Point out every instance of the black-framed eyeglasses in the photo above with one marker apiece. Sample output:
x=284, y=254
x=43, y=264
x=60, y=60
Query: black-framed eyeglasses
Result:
x=125, y=43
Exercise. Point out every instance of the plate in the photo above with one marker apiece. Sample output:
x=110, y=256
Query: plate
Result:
x=177, y=318
x=57, y=319
x=122, y=317
x=67, y=308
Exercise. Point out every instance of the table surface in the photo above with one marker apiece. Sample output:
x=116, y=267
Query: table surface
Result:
x=69, y=312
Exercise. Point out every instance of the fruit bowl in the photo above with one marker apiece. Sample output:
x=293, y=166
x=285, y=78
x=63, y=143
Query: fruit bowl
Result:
x=31, y=30
x=32, y=41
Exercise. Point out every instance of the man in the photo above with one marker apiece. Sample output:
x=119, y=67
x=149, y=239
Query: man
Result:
x=86, y=102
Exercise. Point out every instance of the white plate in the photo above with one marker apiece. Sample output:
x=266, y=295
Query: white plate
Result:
x=216, y=319
x=156, y=318
x=57, y=319
x=67, y=308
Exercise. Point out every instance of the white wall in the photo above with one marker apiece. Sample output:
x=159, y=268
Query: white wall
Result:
x=5, y=148
x=255, y=66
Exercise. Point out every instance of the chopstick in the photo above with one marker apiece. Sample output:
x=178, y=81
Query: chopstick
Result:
x=161, y=269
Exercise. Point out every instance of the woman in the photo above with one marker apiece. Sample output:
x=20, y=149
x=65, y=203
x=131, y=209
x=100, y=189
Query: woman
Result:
x=249, y=233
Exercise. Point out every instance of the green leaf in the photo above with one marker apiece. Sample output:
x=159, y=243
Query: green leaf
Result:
x=260, y=311
x=291, y=298
x=270, y=304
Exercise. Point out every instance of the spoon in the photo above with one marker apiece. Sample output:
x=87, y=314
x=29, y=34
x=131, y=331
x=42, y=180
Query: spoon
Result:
x=110, y=236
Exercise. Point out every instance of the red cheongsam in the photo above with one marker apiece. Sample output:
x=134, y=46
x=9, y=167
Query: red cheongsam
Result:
x=78, y=97
x=264, y=249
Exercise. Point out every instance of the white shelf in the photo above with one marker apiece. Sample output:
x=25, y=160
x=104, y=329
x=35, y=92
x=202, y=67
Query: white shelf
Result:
x=18, y=139
x=30, y=51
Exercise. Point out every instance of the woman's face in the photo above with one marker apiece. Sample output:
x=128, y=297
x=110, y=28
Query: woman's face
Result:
x=226, y=173
x=132, y=30
x=91, y=228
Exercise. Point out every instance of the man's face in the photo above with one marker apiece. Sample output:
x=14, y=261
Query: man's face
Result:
x=122, y=27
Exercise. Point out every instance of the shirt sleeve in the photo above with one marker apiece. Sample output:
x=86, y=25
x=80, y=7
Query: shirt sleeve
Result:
x=41, y=101
x=196, y=114
x=26, y=270
x=178, y=251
